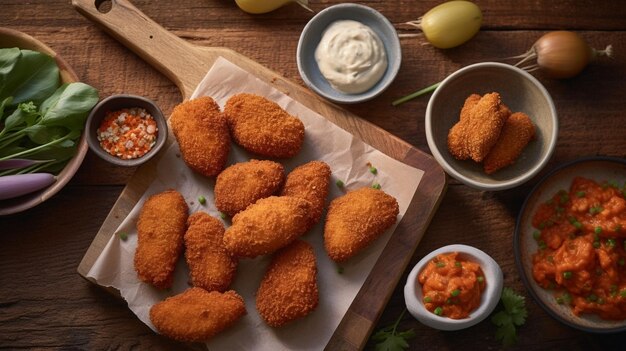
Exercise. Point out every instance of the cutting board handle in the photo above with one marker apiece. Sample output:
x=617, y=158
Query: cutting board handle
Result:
x=150, y=41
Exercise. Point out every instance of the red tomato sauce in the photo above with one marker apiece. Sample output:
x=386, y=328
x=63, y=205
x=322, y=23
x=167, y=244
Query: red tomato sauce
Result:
x=581, y=257
x=452, y=287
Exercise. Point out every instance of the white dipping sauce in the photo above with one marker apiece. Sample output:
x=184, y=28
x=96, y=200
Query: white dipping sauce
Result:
x=351, y=56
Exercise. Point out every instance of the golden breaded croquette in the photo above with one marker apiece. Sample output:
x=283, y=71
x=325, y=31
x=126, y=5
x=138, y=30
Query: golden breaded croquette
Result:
x=356, y=219
x=310, y=182
x=261, y=126
x=211, y=267
x=160, y=229
x=242, y=184
x=202, y=134
x=517, y=132
x=478, y=130
x=457, y=143
x=196, y=315
x=267, y=225
x=288, y=290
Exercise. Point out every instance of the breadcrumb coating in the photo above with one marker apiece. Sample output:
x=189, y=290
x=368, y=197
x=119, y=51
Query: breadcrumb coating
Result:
x=517, y=132
x=479, y=127
x=242, y=184
x=261, y=126
x=288, y=290
x=267, y=225
x=211, y=267
x=202, y=134
x=160, y=229
x=309, y=181
x=196, y=315
x=356, y=219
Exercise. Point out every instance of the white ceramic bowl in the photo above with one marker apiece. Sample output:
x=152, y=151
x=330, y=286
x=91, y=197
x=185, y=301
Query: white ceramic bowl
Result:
x=491, y=295
x=521, y=92
x=312, y=34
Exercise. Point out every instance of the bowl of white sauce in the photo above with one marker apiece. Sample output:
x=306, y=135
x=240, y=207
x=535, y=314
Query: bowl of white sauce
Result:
x=348, y=53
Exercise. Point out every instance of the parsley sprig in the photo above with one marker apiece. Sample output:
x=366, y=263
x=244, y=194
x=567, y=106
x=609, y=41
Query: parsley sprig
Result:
x=389, y=339
x=514, y=314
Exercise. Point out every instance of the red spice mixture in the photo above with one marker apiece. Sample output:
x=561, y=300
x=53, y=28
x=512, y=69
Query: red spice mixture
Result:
x=127, y=133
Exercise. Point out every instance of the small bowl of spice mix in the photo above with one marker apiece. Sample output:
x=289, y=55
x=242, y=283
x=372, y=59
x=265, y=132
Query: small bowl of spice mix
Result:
x=126, y=130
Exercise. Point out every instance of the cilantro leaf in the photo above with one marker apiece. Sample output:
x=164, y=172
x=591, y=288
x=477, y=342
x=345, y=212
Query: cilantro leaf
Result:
x=388, y=339
x=514, y=314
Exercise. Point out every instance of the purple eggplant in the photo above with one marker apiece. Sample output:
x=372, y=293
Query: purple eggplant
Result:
x=15, y=185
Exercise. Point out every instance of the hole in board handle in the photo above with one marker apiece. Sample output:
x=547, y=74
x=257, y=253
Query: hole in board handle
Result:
x=104, y=6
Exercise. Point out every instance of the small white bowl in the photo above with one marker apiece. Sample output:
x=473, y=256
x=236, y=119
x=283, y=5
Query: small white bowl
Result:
x=491, y=295
x=521, y=92
x=312, y=34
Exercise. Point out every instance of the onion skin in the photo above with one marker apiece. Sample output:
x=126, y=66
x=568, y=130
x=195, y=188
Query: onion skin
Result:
x=451, y=24
x=264, y=6
x=562, y=54
x=16, y=185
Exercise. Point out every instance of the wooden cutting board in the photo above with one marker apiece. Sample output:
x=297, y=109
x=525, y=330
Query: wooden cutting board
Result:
x=186, y=64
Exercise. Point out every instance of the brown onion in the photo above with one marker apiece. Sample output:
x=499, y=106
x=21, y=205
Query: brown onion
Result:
x=561, y=54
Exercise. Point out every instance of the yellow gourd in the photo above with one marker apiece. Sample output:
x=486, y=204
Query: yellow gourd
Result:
x=264, y=6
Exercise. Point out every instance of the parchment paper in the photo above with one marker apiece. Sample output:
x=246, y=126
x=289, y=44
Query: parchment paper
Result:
x=347, y=157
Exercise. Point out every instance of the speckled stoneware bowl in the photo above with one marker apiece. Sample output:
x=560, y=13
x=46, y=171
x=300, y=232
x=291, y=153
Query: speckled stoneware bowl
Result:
x=521, y=92
x=596, y=168
x=312, y=34
x=11, y=38
x=413, y=296
x=117, y=102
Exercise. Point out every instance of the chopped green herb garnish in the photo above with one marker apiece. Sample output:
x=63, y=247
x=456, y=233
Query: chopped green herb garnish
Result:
x=578, y=225
x=610, y=243
x=596, y=209
x=201, y=200
x=592, y=298
x=536, y=234
x=457, y=264
x=622, y=293
x=373, y=170
x=596, y=244
x=376, y=186
x=567, y=275
x=455, y=292
x=480, y=279
x=438, y=311
x=542, y=245
x=427, y=299
x=123, y=236
x=597, y=230
x=580, y=194
x=448, y=301
x=440, y=264
x=223, y=215
x=339, y=183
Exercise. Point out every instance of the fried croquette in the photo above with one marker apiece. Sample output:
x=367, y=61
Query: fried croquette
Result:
x=211, y=267
x=310, y=182
x=356, y=219
x=478, y=128
x=242, y=184
x=202, y=134
x=262, y=127
x=267, y=225
x=160, y=229
x=196, y=315
x=517, y=132
x=456, y=136
x=288, y=290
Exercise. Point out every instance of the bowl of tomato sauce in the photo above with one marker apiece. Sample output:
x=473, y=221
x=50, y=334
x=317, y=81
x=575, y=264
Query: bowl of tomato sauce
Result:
x=453, y=287
x=570, y=244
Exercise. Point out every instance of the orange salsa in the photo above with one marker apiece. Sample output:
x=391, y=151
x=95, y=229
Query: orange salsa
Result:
x=452, y=287
x=581, y=238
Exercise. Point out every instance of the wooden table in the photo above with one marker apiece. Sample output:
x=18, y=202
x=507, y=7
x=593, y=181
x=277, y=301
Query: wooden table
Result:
x=44, y=303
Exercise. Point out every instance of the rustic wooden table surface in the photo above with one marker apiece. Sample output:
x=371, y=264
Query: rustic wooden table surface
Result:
x=44, y=303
